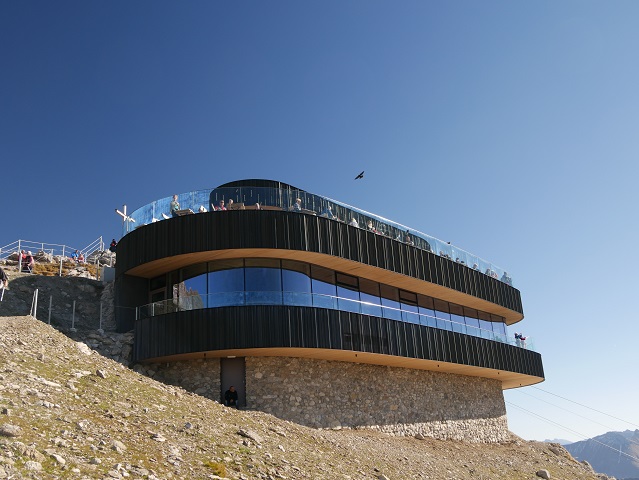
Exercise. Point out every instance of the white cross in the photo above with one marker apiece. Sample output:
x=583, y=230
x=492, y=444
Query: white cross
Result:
x=123, y=214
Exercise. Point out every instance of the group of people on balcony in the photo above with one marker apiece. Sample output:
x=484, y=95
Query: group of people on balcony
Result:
x=328, y=213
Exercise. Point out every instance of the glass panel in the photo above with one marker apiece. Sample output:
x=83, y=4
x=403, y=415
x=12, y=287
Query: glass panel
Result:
x=348, y=300
x=443, y=315
x=192, y=291
x=410, y=313
x=427, y=317
x=296, y=283
x=324, y=294
x=263, y=285
x=500, y=332
x=390, y=299
x=486, y=329
x=457, y=318
x=369, y=295
x=347, y=281
x=226, y=283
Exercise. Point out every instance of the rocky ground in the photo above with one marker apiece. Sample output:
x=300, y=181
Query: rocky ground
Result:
x=68, y=412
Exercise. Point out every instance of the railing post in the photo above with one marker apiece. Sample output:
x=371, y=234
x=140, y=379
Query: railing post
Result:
x=100, y=329
x=61, y=260
x=34, y=304
x=19, y=256
x=50, y=305
x=73, y=318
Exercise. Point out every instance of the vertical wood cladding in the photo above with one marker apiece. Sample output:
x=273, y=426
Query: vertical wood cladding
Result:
x=290, y=231
x=276, y=326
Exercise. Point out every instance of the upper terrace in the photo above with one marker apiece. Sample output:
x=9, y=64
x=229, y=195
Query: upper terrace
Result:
x=272, y=195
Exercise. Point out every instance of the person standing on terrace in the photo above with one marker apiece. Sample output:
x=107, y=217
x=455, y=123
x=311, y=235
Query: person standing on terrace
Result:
x=328, y=213
x=175, y=206
x=221, y=207
x=297, y=206
x=407, y=239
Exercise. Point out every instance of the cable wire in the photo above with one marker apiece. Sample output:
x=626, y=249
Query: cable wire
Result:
x=567, y=410
x=573, y=431
x=586, y=406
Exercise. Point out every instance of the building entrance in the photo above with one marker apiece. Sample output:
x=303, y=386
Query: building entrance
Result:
x=233, y=372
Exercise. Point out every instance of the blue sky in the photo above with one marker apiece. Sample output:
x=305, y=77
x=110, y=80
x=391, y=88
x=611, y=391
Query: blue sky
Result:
x=507, y=128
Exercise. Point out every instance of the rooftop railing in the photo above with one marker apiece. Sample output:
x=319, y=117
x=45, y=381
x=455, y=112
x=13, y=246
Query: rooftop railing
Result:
x=305, y=299
x=249, y=198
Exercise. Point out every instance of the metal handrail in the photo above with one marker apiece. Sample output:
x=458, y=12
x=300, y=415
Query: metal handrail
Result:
x=281, y=198
x=179, y=304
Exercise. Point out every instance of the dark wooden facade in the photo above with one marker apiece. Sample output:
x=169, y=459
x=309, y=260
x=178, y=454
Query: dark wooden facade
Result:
x=237, y=230
x=276, y=326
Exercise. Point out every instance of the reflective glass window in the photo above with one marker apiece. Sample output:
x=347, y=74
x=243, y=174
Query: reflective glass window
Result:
x=323, y=286
x=426, y=309
x=390, y=302
x=408, y=304
x=499, y=329
x=296, y=283
x=457, y=318
x=192, y=291
x=486, y=329
x=348, y=299
x=369, y=296
x=472, y=322
x=263, y=280
x=226, y=283
x=347, y=293
x=470, y=312
x=442, y=313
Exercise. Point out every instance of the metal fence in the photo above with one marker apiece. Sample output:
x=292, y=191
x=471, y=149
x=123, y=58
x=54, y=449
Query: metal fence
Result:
x=57, y=254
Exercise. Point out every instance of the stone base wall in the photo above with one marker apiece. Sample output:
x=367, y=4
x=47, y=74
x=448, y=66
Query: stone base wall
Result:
x=198, y=376
x=398, y=401
x=330, y=394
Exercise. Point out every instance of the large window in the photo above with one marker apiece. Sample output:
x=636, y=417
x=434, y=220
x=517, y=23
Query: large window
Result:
x=226, y=283
x=263, y=279
x=347, y=293
x=192, y=291
x=324, y=289
x=288, y=282
x=296, y=283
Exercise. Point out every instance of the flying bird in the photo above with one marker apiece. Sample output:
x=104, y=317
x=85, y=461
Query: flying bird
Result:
x=361, y=175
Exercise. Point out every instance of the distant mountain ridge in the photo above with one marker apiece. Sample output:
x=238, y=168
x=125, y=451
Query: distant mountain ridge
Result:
x=613, y=453
x=560, y=441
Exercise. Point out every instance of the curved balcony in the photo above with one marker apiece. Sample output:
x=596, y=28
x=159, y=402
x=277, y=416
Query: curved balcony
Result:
x=407, y=314
x=320, y=333
x=271, y=195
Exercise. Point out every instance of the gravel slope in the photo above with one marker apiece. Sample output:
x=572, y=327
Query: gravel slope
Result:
x=68, y=412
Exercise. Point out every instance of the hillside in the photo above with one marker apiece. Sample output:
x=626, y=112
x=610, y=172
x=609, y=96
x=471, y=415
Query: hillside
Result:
x=68, y=412
x=608, y=460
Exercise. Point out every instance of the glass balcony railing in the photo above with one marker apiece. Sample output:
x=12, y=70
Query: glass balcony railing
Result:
x=299, y=201
x=304, y=299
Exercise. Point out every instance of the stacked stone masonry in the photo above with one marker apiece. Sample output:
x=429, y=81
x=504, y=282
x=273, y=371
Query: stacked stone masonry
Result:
x=329, y=394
